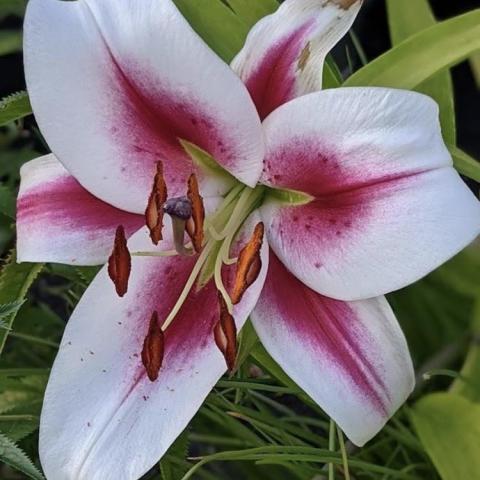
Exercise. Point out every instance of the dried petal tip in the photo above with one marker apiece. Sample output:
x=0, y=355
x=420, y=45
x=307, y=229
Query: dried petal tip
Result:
x=225, y=334
x=195, y=224
x=120, y=262
x=249, y=264
x=153, y=348
x=154, y=211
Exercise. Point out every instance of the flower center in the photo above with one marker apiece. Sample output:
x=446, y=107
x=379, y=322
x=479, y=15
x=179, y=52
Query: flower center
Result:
x=212, y=239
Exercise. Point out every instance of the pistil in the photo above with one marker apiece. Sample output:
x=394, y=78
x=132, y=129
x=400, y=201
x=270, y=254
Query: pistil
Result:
x=180, y=211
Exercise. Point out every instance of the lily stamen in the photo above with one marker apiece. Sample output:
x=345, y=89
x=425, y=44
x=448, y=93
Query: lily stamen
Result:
x=225, y=334
x=120, y=262
x=154, y=210
x=249, y=264
x=195, y=223
x=153, y=348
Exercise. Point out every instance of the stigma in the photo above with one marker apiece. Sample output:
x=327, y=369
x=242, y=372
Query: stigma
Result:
x=187, y=213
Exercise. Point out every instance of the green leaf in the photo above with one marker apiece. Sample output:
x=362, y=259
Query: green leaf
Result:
x=12, y=7
x=251, y=11
x=173, y=465
x=468, y=383
x=219, y=27
x=7, y=202
x=464, y=163
x=332, y=77
x=10, y=41
x=15, y=280
x=13, y=456
x=247, y=340
x=14, y=107
x=449, y=428
x=403, y=23
x=7, y=309
x=423, y=55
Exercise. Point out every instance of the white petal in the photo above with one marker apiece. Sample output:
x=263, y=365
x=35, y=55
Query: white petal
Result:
x=102, y=417
x=59, y=221
x=388, y=206
x=114, y=84
x=350, y=357
x=284, y=52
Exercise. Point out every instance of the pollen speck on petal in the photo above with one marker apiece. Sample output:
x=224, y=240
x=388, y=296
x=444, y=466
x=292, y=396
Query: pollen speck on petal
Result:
x=153, y=348
x=194, y=226
x=154, y=210
x=249, y=264
x=120, y=262
x=225, y=334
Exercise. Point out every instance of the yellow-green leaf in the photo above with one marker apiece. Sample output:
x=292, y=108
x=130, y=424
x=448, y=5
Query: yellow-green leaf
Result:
x=221, y=29
x=251, y=11
x=406, y=19
x=464, y=163
x=449, y=428
x=468, y=383
x=423, y=55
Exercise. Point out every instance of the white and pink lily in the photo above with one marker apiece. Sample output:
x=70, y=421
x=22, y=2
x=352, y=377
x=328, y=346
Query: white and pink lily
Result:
x=353, y=187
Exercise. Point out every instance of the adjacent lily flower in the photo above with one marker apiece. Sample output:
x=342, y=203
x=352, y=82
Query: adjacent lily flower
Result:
x=353, y=190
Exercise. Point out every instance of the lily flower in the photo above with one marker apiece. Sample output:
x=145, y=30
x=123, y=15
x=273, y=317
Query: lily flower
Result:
x=231, y=192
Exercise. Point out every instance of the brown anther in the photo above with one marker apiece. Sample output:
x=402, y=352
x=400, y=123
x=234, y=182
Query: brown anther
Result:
x=153, y=348
x=154, y=210
x=249, y=264
x=120, y=262
x=194, y=225
x=225, y=334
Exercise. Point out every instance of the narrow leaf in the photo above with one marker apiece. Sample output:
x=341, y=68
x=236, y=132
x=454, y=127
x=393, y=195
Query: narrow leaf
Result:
x=465, y=164
x=251, y=11
x=7, y=309
x=15, y=280
x=7, y=202
x=403, y=23
x=468, y=382
x=13, y=456
x=219, y=27
x=424, y=54
x=14, y=107
x=10, y=41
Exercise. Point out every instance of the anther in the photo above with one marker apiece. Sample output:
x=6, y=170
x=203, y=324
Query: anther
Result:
x=153, y=348
x=120, y=262
x=180, y=210
x=195, y=223
x=249, y=264
x=154, y=210
x=225, y=334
